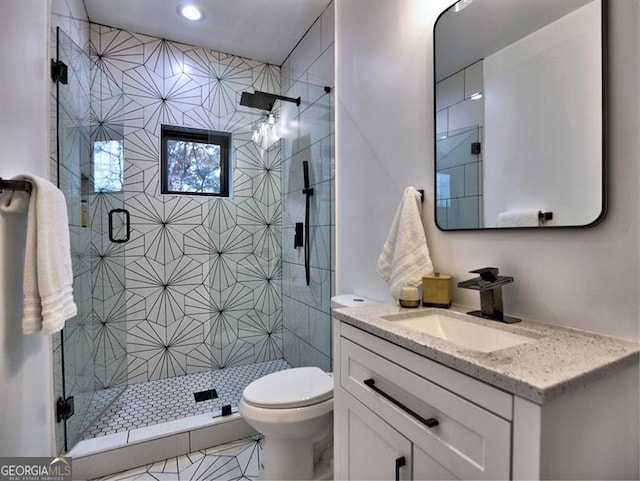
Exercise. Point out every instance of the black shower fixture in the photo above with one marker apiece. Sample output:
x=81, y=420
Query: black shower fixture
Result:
x=264, y=100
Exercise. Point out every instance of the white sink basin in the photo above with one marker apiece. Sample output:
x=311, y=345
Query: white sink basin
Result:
x=450, y=327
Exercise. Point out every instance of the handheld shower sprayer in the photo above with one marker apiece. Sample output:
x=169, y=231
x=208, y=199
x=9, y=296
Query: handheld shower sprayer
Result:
x=308, y=192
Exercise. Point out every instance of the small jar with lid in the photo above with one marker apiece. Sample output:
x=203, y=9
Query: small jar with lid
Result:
x=409, y=296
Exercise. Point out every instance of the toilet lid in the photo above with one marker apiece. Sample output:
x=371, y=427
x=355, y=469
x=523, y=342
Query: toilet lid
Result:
x=301, y=386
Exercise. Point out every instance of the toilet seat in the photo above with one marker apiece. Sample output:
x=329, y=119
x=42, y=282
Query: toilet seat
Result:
x=292, y=388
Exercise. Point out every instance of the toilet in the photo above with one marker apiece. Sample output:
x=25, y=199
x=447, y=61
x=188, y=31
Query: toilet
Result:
x=293, y=410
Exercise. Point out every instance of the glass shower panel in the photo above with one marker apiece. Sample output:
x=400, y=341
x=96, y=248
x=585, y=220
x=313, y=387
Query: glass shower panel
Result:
x=73, y=161
x=309, y=139
x=244, y=272
x=90, y=342
x=459, y=178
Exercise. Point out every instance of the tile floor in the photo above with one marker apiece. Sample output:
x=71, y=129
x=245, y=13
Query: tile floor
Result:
x=155, y=402
x=233, y=461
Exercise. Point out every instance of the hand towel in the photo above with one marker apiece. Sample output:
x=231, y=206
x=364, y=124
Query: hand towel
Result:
x=519, y=218
x=405, y=254
x=48, y=276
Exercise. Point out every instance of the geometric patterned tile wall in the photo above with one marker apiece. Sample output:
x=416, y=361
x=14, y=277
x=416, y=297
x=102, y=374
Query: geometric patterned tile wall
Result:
x=201, y=277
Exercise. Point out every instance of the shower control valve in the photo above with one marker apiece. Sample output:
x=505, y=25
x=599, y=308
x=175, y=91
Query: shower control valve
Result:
x=298, y=238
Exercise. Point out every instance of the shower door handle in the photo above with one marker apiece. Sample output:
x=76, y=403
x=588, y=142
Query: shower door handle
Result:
x=127, y=223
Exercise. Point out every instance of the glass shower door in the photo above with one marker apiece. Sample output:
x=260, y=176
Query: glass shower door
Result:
x=110, y=231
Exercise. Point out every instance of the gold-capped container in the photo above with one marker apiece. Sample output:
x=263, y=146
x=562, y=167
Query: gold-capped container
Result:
x=436, y=290
x=409, y=296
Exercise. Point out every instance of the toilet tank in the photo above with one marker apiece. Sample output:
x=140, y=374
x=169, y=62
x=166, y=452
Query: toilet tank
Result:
x=349, y=300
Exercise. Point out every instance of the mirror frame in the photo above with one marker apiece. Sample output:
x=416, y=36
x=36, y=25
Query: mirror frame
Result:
x=604, y=132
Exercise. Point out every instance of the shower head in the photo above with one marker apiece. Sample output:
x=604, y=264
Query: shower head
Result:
x=263, y=100
x=257, y=100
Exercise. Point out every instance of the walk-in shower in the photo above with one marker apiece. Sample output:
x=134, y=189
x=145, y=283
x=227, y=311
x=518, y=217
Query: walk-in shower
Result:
x=183, y=299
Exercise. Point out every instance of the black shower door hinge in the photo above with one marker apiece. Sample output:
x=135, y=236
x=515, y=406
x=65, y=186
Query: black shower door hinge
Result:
x=64, y=408
x=59, y=71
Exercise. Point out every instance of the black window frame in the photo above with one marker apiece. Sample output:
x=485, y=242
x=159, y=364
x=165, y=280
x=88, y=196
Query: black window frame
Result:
x=189, y=134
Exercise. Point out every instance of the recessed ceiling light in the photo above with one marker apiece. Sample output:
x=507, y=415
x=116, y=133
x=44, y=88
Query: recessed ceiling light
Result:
x=476, y=96
x=190, y=12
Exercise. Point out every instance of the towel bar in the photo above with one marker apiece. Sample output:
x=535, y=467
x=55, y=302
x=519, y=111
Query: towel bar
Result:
x=544, y=216
x=24, y=185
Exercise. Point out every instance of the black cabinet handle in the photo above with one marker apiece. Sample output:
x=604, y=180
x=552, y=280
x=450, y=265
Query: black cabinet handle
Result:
x=127, y=222
x=401, y=461
x=430, y=423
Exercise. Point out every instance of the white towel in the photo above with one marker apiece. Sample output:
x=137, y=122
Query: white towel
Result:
x=519, y=218
x=48, y=277
x=405, y=255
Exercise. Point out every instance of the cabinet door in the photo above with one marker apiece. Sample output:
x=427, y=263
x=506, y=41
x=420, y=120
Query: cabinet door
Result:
x=426, y=468
x=373, y=447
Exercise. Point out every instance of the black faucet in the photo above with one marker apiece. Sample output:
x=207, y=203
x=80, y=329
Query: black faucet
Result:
x=490, y=286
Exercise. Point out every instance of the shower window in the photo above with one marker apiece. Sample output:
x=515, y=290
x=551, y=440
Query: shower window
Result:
x=195, y=161
x=108, y=165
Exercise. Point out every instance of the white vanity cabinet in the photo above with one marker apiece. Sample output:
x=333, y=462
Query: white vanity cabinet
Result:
x=399, y=415
x=388, y=408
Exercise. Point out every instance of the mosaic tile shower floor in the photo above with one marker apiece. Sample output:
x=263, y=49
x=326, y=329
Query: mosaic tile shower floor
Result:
x=237, y=460
x=155, y=402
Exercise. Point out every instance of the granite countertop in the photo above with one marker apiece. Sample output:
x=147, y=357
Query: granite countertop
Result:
x=557, y=361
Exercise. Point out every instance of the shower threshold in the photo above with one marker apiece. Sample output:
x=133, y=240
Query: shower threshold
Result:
x=159, y=419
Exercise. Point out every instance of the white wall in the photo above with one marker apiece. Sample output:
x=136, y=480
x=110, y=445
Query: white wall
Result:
x=26, y=413
x=584, y=278
x=541, y=128
x=384, y=116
